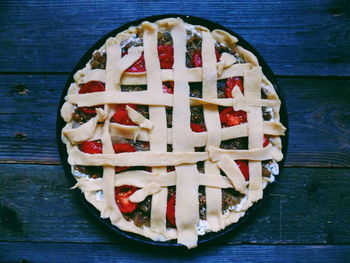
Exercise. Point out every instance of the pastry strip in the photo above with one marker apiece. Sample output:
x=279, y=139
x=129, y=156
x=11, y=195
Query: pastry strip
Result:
x=258, y=154
x=194, y=74
x=67, y=111
x=187, y=206
x=113, y=97
x=139, y=119
x=199, y=138
x=237, y=103
x=213, y=125
x=252, y=84
x=130, y=78
x=142, y=179
x=85, y=131
x=109, y=208
x=233, y=173
x=136, y=158
x=149, y=98
x=158, y=135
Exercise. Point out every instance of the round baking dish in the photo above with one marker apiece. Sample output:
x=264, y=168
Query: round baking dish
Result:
x=61, y=123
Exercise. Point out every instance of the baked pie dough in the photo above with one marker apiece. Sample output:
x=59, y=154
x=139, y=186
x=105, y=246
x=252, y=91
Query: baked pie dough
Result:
x=172, y=130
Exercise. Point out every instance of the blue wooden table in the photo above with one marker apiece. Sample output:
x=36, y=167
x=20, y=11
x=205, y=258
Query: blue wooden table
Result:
x=305, y=218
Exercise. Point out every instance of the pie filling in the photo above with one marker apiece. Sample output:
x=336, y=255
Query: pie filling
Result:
x=131, y=124
x=140, y=213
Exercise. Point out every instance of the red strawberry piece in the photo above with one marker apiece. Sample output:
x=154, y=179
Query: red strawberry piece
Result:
x=197, y=57
x=266, y=141
x=170, y=210
x=88, y=110
x=122, y=148
x=229, y=117
x=138, y=66
x=217, y=54
x=92, y=147
x=170, y=169
x=122, y=194
x=197, y=128
x=148, y=169
x=243, y=166
x=121, y=115
x=166, y=56
x=231, y=83
x=168, y=87
x=92, y=86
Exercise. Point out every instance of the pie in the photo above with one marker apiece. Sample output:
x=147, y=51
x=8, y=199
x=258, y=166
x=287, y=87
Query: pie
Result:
x=172, y=130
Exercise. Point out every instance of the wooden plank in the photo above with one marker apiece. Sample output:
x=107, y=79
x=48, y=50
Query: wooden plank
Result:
x=29, y=117
x=318, y=111
x=295, y=37
x=319, y=124
x=65, y=252
x=306, y=206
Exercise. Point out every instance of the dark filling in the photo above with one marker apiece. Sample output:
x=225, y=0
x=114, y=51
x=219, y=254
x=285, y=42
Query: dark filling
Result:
x=194, y=43
x=200, y=167
x=98, y=60
x=169, y=117
x=267, y=116
x=197, y=115
x=237, y=143
x=165, y=39
x=230, y=197
x=141, y=216
x=91, y=171
x=196, y=89
x=143, y=109
x=265, y=171
x=221, y=88
x=125, y=88
x=81, y=116
x=224, y=49
x=134, y=42
x=202, y=203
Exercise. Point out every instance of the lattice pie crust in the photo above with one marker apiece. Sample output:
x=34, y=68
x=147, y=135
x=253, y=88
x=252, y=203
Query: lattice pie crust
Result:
x=221, y=170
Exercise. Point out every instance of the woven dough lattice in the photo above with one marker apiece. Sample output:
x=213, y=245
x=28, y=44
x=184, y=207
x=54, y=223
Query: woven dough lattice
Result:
x=220, y=168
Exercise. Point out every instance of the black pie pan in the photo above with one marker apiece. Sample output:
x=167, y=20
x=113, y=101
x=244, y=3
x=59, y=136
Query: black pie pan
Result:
x=209, y=237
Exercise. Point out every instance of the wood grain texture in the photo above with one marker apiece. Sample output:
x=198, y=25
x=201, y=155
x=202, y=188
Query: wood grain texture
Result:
x=304, y=218
x=306, y=206
x=318, y=110
x=294, y=37
x=53, y=252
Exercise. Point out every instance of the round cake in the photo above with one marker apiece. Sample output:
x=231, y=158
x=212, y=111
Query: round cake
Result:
x=172, y=130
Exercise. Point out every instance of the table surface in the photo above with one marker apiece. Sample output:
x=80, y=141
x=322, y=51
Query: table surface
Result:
x=305, y=218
